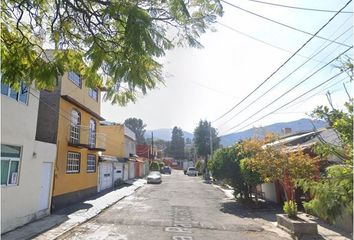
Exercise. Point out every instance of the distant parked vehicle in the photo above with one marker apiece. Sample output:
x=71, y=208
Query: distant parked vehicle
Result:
x=192, y=171
x=154, y=177
x=166, y=170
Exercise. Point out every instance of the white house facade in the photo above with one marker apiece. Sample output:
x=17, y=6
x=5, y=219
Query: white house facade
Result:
x=26, y=164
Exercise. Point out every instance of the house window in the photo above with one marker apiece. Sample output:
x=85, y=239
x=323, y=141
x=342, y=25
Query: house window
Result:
x=10, y=162
x=92, y=133
x=91, y=163
x=75, y=78
x=21, y=96
x=73, y=163
x=75, y=127
x=93, y=93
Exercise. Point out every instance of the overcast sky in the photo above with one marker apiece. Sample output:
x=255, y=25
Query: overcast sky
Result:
x=205, y=83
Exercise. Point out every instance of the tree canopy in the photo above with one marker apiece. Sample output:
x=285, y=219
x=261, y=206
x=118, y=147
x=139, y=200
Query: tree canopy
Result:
x=110, y=44
x=177, y=143
x=276, y=163
x=202, y=138
x=138, y=127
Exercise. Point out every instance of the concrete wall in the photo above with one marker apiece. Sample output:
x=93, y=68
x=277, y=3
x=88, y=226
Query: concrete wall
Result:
x=20, y=203
x=80, y=94
x=129, y=146
x=269, y=192
x=48, y=116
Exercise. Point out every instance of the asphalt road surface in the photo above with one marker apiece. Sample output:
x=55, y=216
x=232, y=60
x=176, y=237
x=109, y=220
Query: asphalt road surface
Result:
x=180, y=208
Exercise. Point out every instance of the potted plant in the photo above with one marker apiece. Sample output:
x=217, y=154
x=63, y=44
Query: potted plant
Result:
x=292, y=223
x=290, y=208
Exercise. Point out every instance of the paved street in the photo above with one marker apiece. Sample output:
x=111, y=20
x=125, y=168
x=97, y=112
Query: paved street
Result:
x=181, y=208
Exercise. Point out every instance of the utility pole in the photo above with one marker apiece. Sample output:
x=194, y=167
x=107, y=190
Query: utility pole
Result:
x=152, y=145
x=207, y=177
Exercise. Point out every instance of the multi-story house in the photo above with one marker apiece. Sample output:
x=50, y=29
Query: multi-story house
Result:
x=26, y=164
x=112, y=163
x=130, y=150
x=69, y=117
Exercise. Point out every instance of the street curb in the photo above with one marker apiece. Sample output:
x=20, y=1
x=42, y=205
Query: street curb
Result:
x=222, y=190
x=103, y=209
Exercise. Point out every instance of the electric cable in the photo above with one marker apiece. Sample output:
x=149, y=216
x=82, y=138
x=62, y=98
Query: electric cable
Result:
x=287, y=102
x=283, y=79
x=261, y=41
x=292, y=88
x=299, y=8
x=271, y=75
x=283, y=24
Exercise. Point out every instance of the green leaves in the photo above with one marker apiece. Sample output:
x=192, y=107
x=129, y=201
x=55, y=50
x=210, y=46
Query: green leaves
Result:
x=202, y=138
x=115, y=44
x=333, y=195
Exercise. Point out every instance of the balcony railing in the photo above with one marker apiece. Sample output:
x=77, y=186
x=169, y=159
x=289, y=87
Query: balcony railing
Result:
x=82, y=136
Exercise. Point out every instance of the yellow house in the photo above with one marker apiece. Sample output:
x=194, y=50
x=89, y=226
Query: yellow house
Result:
x=69, y=117
x=113, y=164
x=115, y=135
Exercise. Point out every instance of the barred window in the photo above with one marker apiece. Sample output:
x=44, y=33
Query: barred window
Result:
x=73, y=163
x=91, y=163
x=75, y=127
x=92, y=133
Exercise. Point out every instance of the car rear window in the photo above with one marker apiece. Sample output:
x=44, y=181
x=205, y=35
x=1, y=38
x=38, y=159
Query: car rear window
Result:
x=192, y=169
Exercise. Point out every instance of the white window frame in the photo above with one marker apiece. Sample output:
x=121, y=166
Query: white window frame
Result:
x=73, y=164
x=92, y=133
x=12, y=159
x=93, y=93
x=89, y=166
x=18, y=93
x=75, y=127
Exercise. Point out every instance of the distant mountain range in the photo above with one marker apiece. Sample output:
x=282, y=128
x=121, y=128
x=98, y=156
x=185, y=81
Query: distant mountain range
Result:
x=165, y=134
x=303, y=124
x=300, y=125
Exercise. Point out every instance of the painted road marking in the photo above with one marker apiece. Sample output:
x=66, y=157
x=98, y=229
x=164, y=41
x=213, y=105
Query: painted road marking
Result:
x=182, y=223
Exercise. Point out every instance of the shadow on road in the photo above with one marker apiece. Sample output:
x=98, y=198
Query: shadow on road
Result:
x=266, y=211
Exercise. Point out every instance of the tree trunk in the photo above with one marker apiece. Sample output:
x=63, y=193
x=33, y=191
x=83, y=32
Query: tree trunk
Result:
x=284, y=189
x=256, y=195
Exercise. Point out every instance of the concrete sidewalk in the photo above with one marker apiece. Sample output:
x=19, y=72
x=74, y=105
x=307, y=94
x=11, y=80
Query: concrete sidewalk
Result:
x=267, y=218
x=60, y=222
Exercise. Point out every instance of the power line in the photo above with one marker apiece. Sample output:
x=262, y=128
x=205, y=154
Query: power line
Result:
x=283, y=24
x=271, y=75
x=298, y=84
x=261, y=41
x=287, y=76
x=320, y=91
x=299, y=8
x=287, y=103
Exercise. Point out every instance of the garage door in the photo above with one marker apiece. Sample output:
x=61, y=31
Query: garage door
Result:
x=126, y=171
x=106, y=177
x=118, y=171
x=132, y=169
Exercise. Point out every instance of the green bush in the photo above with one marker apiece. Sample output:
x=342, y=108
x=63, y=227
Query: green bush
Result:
x=154, y=166
x=199, y=166
x=161, y=165
x=290, y=208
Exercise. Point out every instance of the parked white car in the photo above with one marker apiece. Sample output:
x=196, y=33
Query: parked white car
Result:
x=154, y=177
x=192, y=171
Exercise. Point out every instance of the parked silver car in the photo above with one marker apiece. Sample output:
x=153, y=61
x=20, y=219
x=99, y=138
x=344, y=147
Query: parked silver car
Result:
x=192, y=171
x=154, y=177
